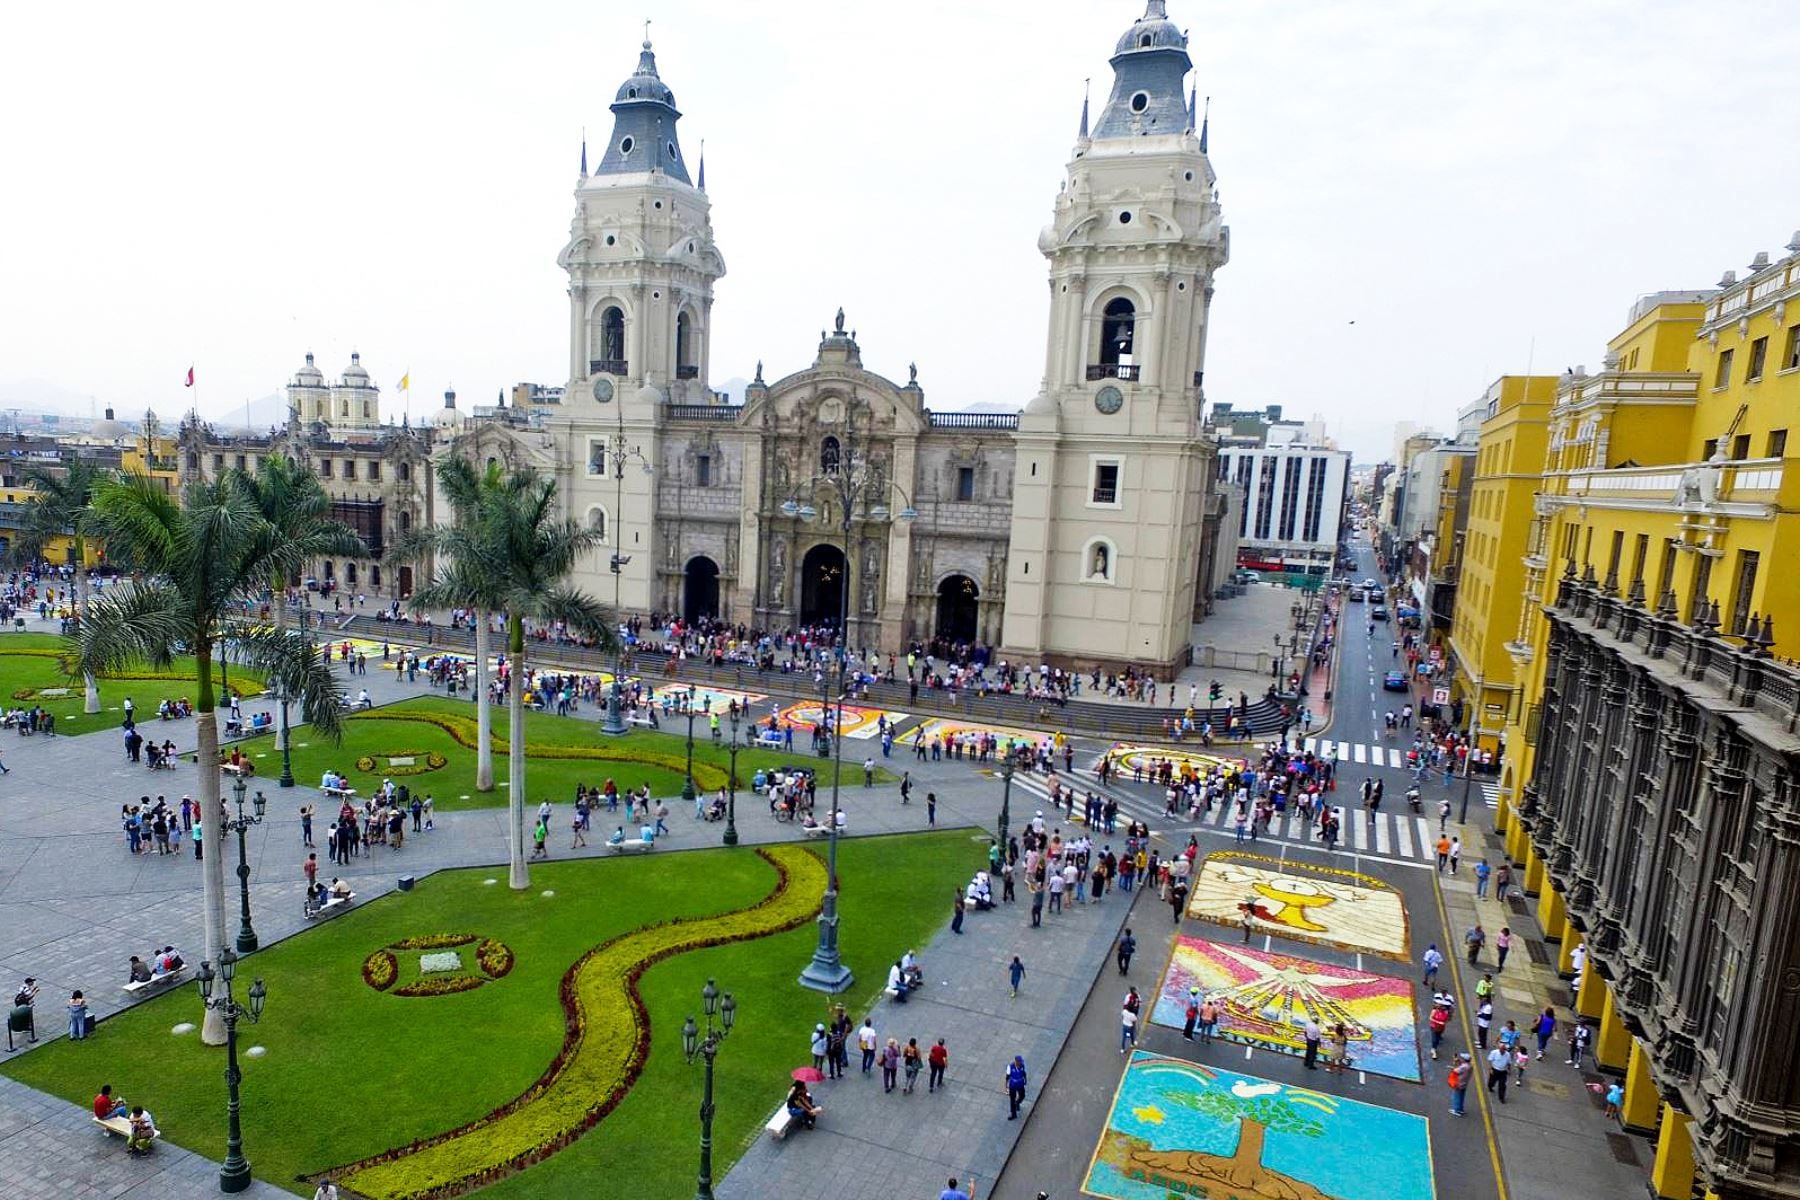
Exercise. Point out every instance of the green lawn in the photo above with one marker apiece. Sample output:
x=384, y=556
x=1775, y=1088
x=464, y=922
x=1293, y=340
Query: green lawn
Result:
x=384, y=732
x=31, y=664
x=350, y=1072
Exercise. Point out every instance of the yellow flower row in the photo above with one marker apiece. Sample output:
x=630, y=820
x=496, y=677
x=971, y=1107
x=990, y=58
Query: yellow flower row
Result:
x=465, y=731
x=605, y=1046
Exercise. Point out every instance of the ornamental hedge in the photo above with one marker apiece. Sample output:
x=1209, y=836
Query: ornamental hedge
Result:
x=440, y=986
x=466, y=732
x=424, y=761
x=606, y=1041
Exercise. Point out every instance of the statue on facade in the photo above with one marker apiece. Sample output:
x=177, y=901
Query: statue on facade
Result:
x=777, y=575
x=840, y=321
x=912, y=373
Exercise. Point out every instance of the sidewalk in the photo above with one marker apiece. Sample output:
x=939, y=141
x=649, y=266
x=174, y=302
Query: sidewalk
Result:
x=874, y=1146
x=1555, y=1139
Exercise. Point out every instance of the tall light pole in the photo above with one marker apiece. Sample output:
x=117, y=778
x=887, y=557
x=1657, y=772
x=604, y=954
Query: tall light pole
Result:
x=617, y=455
x=234, y=1173
x=690, y=712
x=246, y=938
x=694, y=1046
x=851, y=482
x=1006, y=776
x=732, y=748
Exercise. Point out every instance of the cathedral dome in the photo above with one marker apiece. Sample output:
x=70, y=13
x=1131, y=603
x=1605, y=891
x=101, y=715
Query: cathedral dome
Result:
x=309, y=375
x=354, y=374
x=645, y=85
x=1152, y=31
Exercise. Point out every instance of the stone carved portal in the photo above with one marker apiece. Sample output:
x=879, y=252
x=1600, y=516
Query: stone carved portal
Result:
x=822, y=584
x=958, y=608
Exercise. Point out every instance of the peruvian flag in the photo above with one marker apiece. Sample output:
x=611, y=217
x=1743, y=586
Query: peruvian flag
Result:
x=190, y=378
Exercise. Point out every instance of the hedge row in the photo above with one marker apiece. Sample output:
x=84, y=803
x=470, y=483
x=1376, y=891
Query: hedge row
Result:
x=606, y=1042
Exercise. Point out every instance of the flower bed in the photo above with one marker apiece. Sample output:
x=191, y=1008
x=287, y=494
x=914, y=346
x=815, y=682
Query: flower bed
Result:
x=440, y=961
x=423, y=762
x=448, y=985
x=606, y=1042
x=466, y=732
x=494, y=958
x=380, y=969
x=433, y=941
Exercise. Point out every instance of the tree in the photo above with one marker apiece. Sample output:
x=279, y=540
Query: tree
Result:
x=294, y=504
x=198, y=561
x=466, y=574
x=533, y=552
x=59, y=506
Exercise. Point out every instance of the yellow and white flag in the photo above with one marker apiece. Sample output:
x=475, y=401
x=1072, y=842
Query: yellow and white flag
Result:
x=406, y=382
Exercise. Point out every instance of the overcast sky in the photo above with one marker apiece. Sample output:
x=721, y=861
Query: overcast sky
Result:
x=1480, y=186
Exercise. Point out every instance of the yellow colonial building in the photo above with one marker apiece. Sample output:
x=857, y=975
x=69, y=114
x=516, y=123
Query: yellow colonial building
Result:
x=1490, y=594
x=1649, y=788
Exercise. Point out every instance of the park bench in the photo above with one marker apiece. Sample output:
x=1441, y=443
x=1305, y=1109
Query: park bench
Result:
x=340, y=793
x=331, y=907
x=820, y=829
x=238, y=768
x=636, y=845
x=782, y=1122
x=121, y=1127
x=156, y=981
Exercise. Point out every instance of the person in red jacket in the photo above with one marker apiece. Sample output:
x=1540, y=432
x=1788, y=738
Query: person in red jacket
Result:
x=106, y=1106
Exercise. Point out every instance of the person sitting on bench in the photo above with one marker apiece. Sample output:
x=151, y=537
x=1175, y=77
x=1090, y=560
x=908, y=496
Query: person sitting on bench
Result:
x=107, y=1105
x=800, y=1105
x=316, y=897
x=617, y=838
x=140, y=970
x=339, y=889
x=143, y=1132
x=168, y=961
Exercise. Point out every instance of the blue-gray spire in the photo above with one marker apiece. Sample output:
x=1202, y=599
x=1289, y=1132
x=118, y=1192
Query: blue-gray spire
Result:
x=1084, y=108
x=1205, y=118
x=702, y=178
x=1150, y=63
x=644, y=117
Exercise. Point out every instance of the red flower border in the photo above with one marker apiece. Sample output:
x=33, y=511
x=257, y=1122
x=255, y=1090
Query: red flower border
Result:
x=378, y=959
x=634, y=1066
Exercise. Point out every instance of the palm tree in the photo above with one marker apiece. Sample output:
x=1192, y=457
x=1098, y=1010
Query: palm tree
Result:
x=463, y=578
x=293, y=502
x=58, y=506
x=532, y=552
x=198, y=561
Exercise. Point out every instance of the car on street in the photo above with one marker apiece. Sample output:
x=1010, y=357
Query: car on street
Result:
x=1379, y=613
x=1393, y=681
x=1356, y=594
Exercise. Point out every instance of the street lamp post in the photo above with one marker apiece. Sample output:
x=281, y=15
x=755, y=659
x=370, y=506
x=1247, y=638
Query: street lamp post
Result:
x=287, y=737
x=234, y=1173
x=687, y=787
x=1006, y=777
x=614, y=724
x=732, y=748
x=246, y=938
x=696, y=1046
x=851, y=481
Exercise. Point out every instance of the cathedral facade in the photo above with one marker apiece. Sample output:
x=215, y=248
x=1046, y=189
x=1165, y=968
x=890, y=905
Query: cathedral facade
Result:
x=1082, y=531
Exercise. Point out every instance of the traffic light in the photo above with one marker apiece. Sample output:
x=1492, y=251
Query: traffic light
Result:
x=1214, y=691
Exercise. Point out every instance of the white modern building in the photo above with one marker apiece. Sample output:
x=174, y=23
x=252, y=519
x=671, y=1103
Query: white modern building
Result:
x=1295, y=500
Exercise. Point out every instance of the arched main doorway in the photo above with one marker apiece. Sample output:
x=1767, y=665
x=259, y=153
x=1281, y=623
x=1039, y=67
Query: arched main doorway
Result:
x=957, y=611
x=822, y=586
x=700, y=589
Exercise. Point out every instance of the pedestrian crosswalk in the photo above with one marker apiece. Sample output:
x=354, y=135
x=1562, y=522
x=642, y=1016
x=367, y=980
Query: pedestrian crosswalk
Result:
x=1359, y=754
x=1398, y=836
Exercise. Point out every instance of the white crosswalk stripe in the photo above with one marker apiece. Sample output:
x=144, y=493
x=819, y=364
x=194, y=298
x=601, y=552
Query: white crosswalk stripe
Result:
x=1389, y=839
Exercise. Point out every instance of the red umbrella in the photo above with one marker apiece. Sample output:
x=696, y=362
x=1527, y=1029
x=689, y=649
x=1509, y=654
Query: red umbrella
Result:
x=808, y=1074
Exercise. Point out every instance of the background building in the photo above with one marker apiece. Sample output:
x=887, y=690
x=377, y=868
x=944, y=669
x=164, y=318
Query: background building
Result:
x=1648, y=786
x=1296, y=497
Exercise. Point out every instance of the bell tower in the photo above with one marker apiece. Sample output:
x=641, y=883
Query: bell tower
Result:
x=1113, y=466
x=640, y=255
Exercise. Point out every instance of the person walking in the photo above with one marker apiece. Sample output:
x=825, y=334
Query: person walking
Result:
x=1615, y=1096
x=1178, y=892
x=575, y=827
x=1482, y=870
x=1127, y=947
x=890, y=1064
x=868, y=1043
x=1484, y=1018
x=1580, y=1034
x=1443, y=852
x=306, y=832
x=1502, y=880
x=1433, y=959
x=834, y=1051
x=1037, y=905
x=1127, y=1028
x=1475, y=939
x=1192, y=1014
x=1015, y=971
x=1439, y=1022
x=914, y=1060
x=956, y=916
x=1015, y=1085
x=1209, y=1021
x=938, y=1059
x=1459, y=1084
x=1313, y=1036
x=1502, y=943
x=821, y=1046
x=1455, y=853
x=1443, y=814
x=1499, y=1069
x=1545, y=1030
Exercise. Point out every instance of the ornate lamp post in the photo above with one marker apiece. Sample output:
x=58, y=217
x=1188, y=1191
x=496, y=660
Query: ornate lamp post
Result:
x=287, y=757
x=246, y=938
x=1006, y=777
x=234, y=1173
x=687, y=787
x=851, y=482
x=618, y=455
x=696, y=1046
x=732, y=747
